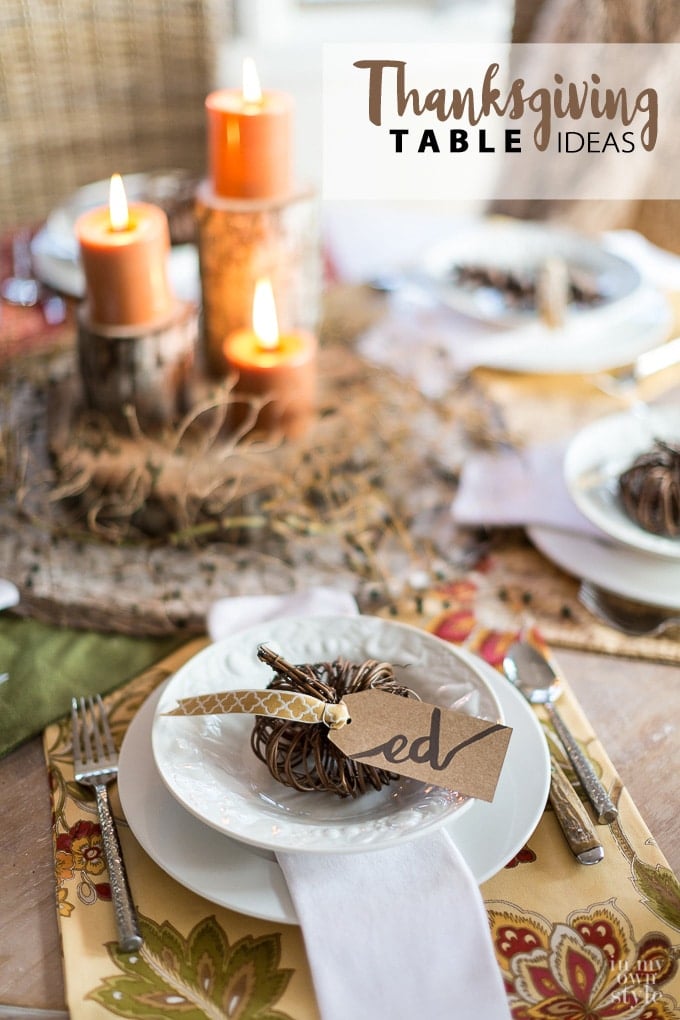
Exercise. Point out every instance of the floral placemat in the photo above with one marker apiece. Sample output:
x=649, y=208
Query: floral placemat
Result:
x=513, y=585
x=571, y=942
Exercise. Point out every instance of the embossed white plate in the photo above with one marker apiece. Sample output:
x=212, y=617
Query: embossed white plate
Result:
x=249, y=880
x=207, y=763
x=598, y=454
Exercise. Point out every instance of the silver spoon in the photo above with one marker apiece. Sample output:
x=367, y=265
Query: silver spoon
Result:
x=626, y=615
x=534, y=676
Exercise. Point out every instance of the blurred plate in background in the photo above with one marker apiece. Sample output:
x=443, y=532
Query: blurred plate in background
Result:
x=489, y=270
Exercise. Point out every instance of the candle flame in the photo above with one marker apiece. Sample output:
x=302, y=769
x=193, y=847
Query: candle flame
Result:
x=252, y=93
x=118, y=208
x=265, y=323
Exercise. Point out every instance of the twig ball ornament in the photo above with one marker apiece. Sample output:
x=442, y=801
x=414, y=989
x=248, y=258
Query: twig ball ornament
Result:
x=300, y=755
x=650, y=490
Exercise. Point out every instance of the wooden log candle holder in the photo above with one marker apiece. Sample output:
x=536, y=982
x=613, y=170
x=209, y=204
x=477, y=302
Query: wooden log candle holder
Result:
x=241, y=240
x=145, y=368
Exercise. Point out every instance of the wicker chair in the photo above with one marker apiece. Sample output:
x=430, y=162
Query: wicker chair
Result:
x=89, y=87
x=623, y=21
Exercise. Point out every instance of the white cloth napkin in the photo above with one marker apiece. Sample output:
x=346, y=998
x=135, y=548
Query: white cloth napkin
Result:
x=228, y=615
x=398, y=933
x=9, y=594
x=516, y=488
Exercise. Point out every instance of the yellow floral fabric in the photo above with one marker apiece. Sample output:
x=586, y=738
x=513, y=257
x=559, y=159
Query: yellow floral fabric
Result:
x=572, y=942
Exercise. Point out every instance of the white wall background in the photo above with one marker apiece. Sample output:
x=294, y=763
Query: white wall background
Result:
x=286, y=40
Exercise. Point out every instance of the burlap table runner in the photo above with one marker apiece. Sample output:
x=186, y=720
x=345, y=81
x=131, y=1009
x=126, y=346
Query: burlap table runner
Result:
x=392, y=521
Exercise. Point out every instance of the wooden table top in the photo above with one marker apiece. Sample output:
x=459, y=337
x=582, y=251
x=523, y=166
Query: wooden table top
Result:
x=634, y=707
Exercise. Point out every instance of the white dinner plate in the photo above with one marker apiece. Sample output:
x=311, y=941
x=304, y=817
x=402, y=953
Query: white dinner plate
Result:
x=208, y=765
x=523, y=248
x=599, y=453
x=629, y=572
x=593, y=343
x=233, y=875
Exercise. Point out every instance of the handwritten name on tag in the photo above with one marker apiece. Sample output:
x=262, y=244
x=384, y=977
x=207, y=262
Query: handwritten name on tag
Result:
x=435, y=745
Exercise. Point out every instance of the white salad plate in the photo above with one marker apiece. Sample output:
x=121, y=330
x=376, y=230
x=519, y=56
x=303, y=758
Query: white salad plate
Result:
x=631, y=573
x=231, y=874
x=523, y=248
x=208, y=765
x=599, y=453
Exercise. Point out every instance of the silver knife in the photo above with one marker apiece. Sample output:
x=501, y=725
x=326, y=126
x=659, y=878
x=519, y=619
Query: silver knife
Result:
x=624, y=381
x=573, y=818
x=656, y=360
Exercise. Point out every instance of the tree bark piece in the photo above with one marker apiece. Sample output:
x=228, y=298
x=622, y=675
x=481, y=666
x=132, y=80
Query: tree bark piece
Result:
x=147, y=374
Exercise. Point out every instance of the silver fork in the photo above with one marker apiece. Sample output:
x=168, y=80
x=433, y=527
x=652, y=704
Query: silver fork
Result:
x=96, y=764
x=625, y=615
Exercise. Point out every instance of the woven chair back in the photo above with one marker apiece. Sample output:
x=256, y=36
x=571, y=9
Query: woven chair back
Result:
x=90, y=87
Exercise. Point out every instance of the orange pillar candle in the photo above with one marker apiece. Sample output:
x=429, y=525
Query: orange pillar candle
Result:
x=278, y=370
x=124, y=253
x=250, y=140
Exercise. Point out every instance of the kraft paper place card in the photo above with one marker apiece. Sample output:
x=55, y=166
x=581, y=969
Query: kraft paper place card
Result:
x=432, y=744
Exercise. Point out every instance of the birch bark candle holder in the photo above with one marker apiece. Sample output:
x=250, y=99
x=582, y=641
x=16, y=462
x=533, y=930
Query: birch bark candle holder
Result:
x=241, y=240
x=136, y=341
x=145, y=370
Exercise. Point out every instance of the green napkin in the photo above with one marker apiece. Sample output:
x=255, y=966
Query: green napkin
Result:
x=48, y=665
